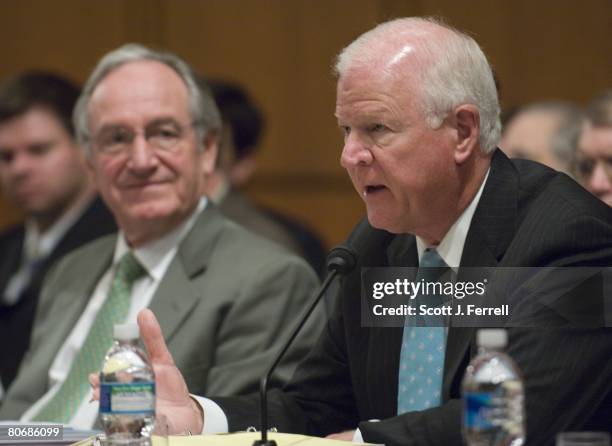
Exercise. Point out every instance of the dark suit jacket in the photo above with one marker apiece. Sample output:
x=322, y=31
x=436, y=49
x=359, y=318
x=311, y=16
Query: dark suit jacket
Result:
x=16, y=320
x=528, y=215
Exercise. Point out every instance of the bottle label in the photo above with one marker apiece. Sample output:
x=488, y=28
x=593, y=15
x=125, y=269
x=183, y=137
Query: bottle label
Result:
x=126, y=398
x=479, y=407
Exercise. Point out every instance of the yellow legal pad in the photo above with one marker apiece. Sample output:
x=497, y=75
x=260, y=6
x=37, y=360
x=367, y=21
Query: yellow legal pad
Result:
x=243, y=439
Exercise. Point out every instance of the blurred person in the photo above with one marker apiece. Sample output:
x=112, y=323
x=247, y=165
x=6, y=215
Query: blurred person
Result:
x=546, y=132
x=243, y=124
x=417, y=105
x=225, y=297
x=239, y=134
x=43, y=173
x=593, y=166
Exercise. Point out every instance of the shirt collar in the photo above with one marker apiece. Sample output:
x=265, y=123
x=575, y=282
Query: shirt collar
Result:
x=157, y=255
x=39, y=245
x=222, y=191
x=451, y=245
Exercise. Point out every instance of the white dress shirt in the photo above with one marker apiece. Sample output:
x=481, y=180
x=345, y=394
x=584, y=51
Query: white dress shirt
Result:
x=155, y=257
x=450, y=249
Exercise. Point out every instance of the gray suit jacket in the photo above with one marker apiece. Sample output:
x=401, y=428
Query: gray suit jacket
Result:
x=227, y=301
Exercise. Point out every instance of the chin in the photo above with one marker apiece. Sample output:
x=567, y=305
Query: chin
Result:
x=378, y=221
x=38, y=209
x=152, y=211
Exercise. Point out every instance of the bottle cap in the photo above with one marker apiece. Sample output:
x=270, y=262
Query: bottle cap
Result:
x=126, y=332
x=492, y=338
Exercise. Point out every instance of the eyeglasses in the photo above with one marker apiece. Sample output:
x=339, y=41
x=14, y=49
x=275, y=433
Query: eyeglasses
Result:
x=584, y=166
x=163, y=136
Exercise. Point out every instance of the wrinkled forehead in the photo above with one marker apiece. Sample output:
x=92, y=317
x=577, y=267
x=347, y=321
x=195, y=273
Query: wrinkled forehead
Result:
x=596, y=141
x=388, y=63
x=38, y=123
x=139, y=88
x=363, y=83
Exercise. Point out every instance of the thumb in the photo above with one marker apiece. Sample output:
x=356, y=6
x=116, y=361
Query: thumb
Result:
x=153, y=338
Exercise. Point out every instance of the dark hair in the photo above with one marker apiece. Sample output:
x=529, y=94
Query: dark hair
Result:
x=239, y=112
x=21, y=93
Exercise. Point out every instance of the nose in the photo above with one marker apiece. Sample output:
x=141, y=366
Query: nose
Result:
x=142, y=157
x=599, y=183
x=20, y=166
x=355, y=152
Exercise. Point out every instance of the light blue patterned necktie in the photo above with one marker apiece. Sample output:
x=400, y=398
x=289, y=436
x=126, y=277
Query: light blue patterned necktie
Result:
x=422, y=355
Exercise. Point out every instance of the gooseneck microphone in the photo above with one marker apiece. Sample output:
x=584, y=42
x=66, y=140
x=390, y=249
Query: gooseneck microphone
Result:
x=341, y=260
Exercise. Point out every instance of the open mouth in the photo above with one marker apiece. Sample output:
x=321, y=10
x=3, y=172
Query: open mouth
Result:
x=369, y=190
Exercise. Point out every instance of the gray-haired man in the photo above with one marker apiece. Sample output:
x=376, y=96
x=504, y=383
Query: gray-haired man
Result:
x=417, y=104
x=224, y=297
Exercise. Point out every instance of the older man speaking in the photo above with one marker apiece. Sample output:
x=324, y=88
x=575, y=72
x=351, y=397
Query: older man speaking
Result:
x=418, y=107
x=225, y=298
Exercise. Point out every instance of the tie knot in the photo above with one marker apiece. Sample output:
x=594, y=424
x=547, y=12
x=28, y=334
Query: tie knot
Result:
x=431, y=259
x=129, y=268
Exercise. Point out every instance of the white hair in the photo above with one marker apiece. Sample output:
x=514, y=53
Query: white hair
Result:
x=453, y=70
x=204, y=111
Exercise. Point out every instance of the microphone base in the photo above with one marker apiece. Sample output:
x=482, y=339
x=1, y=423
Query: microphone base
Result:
x=264, y=443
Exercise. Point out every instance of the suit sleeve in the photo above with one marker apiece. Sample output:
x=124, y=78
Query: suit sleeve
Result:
x=566, y=369
x=257, y=324
x=318, y=400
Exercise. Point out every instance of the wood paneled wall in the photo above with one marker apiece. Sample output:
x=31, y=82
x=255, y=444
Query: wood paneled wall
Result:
x=282, y=51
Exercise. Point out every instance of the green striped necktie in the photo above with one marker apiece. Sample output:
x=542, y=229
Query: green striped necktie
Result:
x=64, y=404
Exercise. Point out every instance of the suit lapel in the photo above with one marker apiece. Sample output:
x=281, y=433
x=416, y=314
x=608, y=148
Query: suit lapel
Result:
x=62, y=308
x=178, y=291
x=386, y=342
x=83, y=283
x=11, y=253
x=491, y=231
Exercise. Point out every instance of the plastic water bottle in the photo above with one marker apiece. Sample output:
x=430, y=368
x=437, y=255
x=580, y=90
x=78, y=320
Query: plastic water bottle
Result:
x=127, y=390
x=493, y=395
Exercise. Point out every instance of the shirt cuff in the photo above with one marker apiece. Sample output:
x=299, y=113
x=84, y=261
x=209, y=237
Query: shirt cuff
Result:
x=215, y=421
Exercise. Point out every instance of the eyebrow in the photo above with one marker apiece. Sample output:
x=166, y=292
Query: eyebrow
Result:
x=162, y=121
x=155, y=122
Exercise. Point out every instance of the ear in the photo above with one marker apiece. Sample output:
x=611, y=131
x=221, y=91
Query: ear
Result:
x=87, y=158
x=242, y=170
x=467, y=119
x=209, y=152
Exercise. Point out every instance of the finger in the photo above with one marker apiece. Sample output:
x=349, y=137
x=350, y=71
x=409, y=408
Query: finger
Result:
x=95, y=395
x=94, y=380
x=170, y=384
x=153, y=338
x=344, y=436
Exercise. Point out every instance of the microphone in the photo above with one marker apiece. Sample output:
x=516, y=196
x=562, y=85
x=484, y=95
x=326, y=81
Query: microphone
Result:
x=341, y=260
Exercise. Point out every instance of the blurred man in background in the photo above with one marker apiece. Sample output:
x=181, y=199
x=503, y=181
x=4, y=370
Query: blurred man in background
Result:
x=243, y=124
x=236, y=163
x=593, y=165
x=43, y=172
x=546, y=132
